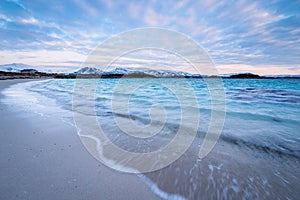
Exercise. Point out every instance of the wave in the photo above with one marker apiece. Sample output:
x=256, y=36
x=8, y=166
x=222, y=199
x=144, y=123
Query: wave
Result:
x=248, y=115
x=260, y=117
x=236, y=116
x=267, y=95
x=280, y=150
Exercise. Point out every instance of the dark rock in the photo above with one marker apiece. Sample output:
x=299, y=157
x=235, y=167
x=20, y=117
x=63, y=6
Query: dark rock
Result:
x=245, y=75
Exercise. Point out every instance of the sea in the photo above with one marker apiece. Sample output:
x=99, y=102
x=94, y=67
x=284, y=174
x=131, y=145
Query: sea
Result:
x=256, y=152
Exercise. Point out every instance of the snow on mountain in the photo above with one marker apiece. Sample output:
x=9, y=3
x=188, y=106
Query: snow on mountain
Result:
x=132, y=71
x=89, y=70
x=14, y=67
x=17, y=67
x=146, y=71
x=118, y=70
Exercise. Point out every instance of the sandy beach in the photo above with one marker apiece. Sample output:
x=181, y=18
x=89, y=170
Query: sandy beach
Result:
x=43, y=158
x=145, y=100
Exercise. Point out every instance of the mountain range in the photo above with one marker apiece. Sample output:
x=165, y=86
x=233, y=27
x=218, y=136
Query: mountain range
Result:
x=19, y=68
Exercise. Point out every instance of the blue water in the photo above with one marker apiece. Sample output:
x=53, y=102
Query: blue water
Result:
x=257, y=154
x=260, y=113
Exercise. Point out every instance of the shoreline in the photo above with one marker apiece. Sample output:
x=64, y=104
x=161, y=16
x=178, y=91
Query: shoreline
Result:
x=43, y=158
x=34, y=74
x=232, y=170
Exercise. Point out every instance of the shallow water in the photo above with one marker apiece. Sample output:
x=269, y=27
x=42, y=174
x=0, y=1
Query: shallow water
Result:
x=257, y=155
x=259, y=112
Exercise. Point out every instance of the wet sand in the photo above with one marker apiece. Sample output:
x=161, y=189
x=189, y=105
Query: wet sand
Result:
x=231, y=172
x=43, y=158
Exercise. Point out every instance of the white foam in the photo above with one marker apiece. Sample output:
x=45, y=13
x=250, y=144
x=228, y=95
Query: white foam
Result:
x=162, y=194
x=153, y=186
x=28, y=101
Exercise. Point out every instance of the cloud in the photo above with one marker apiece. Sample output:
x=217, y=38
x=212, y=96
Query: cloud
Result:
x=41, y=57
x=259, y=69
x=87, y=7
x=250, y=33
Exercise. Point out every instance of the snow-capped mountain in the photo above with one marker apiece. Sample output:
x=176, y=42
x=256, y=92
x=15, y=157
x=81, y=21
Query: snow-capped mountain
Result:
x=14, y=67
x=119, y=70
x=132, y=71
x=17, y=67
x=146, y=71
x=89, y=70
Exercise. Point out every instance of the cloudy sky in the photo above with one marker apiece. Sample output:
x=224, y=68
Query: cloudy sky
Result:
x=240, y=36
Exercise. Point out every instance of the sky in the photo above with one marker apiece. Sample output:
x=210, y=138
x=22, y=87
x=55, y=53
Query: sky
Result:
x=261, y=37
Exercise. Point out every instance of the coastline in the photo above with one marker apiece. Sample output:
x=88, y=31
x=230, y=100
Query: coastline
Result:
x=43, y=158
x=42, y=161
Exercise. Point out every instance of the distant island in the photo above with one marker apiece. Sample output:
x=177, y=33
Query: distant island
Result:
x=21, y=71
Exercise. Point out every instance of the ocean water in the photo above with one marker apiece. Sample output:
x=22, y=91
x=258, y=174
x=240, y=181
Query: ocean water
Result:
x=256, y=156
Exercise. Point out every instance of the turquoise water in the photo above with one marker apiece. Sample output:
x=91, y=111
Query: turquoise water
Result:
x=260, y=113
x=256, y=156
